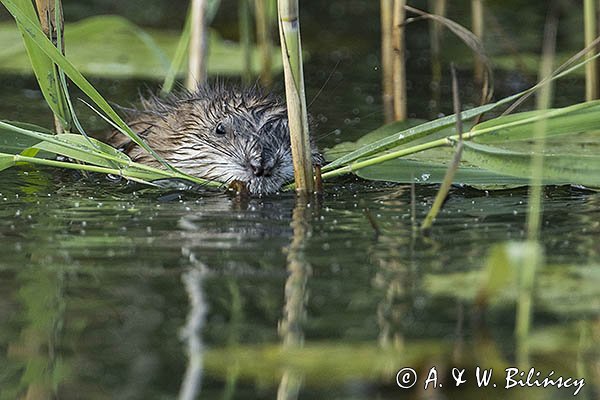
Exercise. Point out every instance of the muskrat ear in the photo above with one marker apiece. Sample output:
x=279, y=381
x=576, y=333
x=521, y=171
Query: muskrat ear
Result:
x=220, y=129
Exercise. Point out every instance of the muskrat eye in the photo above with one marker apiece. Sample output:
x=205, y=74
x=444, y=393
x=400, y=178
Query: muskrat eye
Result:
x=268, y=126
x=220, y=129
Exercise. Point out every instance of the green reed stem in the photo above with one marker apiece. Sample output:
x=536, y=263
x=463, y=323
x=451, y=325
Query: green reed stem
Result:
x=291, y=51
x=84, y=167
x=535, y=210
x=543, y=102
x=245, y=39
x=145, y=173
x=387, y=58
x=438, y=7
x=178, y=58
x=197, y=70
x=107, y=156
x=453, y=167
x=447, y=141
x=591, y=32
x=264, y=18
x=399, y=62
x=478, y=24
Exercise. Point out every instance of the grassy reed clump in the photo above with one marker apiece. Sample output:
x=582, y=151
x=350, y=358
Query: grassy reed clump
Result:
x=493, y=146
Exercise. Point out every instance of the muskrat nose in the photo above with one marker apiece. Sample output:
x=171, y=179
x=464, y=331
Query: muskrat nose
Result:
x=260, y=167
x=257, y=170
x=257, y=167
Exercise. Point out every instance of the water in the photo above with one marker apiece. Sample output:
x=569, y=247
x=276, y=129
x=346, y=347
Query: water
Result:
x=322, y=300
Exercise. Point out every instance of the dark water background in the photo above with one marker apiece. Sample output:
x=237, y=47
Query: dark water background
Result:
x=93, y=275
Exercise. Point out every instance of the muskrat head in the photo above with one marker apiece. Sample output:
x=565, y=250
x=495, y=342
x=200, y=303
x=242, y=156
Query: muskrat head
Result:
x=224, y=134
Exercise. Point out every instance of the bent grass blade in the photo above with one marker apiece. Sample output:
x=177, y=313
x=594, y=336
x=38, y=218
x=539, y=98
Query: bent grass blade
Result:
x=32, y=30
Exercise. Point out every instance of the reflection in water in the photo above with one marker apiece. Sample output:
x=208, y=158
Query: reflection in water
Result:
x=296, y=296
x=191, y=333
x=532, y=258
x=35, y=351
x=116, y=264
x=192, y=280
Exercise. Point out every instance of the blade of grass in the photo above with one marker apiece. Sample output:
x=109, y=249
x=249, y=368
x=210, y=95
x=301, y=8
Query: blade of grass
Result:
x=582, y=119
x=6, y=161
x=15, y=159
x=43, y=67
x=450, y=140
x=178, y=58
x=561, y=71
x=411, y=134
x=340, y=165
x=533, y=259
x=77, y=147
x=33, y=31
x=544, y=100
x=477, y=28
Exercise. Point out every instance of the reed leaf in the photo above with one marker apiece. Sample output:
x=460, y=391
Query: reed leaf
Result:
x=577, y=118
x=178, y=59
x=42, y=65
x=571, y=168
x=407, y=170
x=341, y=165
x=84, y=145
x=99, y=157
x=34, y=32
x=87, y=153
x=428, y=165
x=6, y=161
x=13, y=142
x=132, y=173
x=414, y=133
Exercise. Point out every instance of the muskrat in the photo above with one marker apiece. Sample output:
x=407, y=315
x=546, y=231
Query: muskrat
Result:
x=217, y=132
